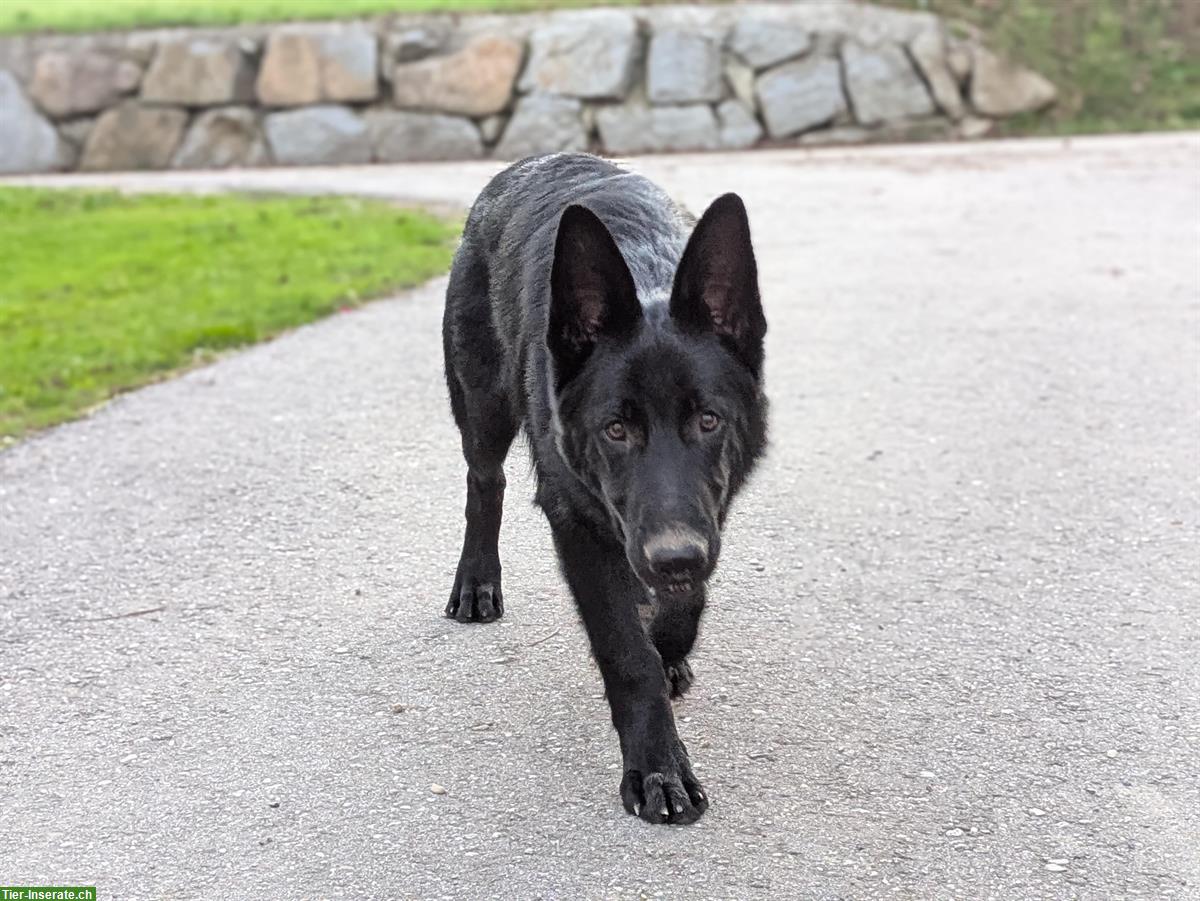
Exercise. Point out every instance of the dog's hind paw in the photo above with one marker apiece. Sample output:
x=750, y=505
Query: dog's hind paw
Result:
x=475, y=601
x=680, y=677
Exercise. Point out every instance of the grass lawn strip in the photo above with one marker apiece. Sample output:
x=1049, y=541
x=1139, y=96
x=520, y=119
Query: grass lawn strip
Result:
x=102, y=292
x=96, y=15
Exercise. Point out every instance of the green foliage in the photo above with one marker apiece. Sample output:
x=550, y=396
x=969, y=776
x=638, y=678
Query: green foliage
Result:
x=92, y=15
x=1119, y=65
x=102, y=292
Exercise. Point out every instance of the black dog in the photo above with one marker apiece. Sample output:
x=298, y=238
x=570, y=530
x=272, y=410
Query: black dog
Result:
x=578, y=305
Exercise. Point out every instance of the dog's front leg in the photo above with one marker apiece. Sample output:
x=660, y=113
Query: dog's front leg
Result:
x=658, y=783
x=673, y=631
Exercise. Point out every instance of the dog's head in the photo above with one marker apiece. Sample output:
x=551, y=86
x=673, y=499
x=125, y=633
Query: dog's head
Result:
x=659, y=408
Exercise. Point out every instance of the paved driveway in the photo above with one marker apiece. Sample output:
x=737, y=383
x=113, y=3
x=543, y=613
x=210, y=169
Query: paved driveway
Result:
x=952, y=651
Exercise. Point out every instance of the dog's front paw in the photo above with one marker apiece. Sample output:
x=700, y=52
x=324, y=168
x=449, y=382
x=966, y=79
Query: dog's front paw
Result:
x=666, y=791
x=476, y=596
x=679, y=677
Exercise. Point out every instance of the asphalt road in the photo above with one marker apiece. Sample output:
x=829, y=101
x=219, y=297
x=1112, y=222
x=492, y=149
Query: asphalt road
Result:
x=952, y=652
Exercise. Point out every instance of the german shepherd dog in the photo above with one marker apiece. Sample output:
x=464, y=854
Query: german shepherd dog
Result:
x=633, y=354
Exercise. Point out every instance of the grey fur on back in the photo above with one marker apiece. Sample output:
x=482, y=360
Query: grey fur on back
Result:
x=524, y=202
x=507, y=252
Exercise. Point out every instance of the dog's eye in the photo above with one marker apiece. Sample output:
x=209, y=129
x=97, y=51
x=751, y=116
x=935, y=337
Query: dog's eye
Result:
x=709, y=421
x=615, y=430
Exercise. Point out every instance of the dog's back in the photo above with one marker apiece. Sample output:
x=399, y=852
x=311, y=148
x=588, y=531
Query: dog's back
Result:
x=508, y=247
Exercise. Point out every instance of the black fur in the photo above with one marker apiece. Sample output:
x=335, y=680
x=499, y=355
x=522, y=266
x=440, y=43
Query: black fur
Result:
x=633, y=354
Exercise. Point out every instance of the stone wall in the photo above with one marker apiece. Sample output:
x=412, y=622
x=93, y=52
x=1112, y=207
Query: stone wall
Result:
x=617, y=81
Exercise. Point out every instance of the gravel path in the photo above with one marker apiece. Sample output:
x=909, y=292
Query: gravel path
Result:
x=952, y=653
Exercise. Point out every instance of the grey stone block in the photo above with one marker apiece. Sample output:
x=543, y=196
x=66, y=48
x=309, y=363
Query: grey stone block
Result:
x=221, y=138
x=683, y=67
x=587, y=54
x=762, y=42
x=401, y=137
x=928, y=51
x=638, y=128
x=882, y=84
x=73, y=84
x=543, y=123
x=199, y=73
x=1002, y=88
x=134, y=136
x=799, y=96
x=304, y=66
x=318, y=135
x=738, y=128
x=28, y=142
x=474, y=81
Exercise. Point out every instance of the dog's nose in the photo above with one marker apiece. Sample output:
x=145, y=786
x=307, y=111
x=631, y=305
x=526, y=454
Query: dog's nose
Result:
x=675, y=552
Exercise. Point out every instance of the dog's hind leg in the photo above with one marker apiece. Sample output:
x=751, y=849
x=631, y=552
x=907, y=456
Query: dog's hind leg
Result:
x=673, y=630
x=485, y=418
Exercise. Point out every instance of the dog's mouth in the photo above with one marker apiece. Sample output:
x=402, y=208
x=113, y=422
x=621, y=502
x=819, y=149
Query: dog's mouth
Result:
x=677, y=585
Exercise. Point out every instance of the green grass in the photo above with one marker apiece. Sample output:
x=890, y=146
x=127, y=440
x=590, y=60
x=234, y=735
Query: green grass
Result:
x=101, y=292
x=1120, y=65
x=93, y=15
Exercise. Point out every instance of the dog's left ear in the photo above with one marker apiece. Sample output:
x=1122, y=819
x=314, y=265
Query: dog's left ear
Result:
x=716, y=284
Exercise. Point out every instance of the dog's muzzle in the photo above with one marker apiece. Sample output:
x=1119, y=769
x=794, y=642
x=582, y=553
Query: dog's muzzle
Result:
x=677, y=557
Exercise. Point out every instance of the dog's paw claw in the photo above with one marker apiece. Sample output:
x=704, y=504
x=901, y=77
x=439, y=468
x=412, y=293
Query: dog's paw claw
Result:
x=679, y=677
x=672, y=796
x=475, y=600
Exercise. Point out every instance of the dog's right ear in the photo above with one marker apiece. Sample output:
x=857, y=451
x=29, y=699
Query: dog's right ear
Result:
x=716, y=284
x=592, y=294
